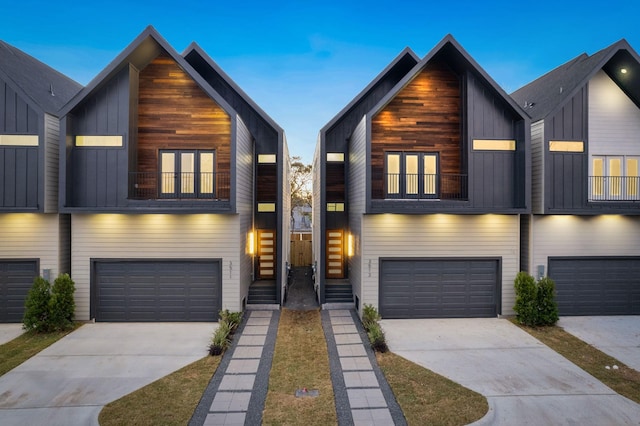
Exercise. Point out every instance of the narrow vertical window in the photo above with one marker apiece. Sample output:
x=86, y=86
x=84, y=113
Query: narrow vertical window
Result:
x=615, y=177
x=393, y=174
x=632, y=178
x=411, y=174
x=206, y=172
x=597, y=187
x=167, y=173
x=430, y=174
x=187, y=172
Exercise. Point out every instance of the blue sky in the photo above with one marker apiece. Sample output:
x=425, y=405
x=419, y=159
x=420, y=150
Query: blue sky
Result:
x=301, y=61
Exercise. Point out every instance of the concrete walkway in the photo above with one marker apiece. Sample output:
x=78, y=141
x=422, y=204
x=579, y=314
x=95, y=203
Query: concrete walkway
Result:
x=524, y=381
x=9, y=332
x=362, y=394
x=237, y=392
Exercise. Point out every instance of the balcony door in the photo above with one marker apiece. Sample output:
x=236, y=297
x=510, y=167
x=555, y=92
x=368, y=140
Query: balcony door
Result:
x=614, y=178
x=411, y=175
x=187, y=174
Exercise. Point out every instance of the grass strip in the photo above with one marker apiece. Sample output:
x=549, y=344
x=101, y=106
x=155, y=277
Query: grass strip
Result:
x=624, y=380
x=23, y=347
x=300, y=360
x=170, y=400
x=426, y=398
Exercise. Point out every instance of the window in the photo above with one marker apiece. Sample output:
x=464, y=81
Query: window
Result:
x=411, y=175
x=187, y=174
x=18, y=140
x=99, y=141
x=494, y=145
x=266, y=158
x=335, y=156
x=614, y=177
x=566, y=146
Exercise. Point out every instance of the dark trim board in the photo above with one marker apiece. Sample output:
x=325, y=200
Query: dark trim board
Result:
x=596, y=285
x=155, y=289
x=440, y=287
x=12, y=299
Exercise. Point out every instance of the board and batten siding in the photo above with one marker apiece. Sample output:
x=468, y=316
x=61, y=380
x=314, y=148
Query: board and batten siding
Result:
x=357, y=202
x=614, y=120
x=32, y=236
x=244, y=202
x=440, y=235
x=317, y=212
x=155, y=236
x=51, y=165
x=537, y=166
x=564, y=235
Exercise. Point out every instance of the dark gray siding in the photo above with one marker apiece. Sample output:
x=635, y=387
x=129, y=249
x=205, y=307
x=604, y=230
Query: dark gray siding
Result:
x=597, y=285
x=16, y=278
x=157, y=290
x=439, y=288
x=98, y=177
x=19, y=177
x=16, y=116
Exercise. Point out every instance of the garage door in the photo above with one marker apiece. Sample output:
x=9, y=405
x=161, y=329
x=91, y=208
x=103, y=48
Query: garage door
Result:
x=597, y=285
x=16, y=278
x=157, y=290
x=439, y=288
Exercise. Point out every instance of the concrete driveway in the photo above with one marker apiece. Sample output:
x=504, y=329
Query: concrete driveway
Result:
x=618, y=336
x=9, y=332
x=70, y=381
x=523, y=380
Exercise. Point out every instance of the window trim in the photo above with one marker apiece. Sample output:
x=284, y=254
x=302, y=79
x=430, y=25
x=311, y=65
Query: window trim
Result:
x=177, y=182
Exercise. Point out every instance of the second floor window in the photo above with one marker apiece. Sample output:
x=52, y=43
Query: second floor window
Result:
x=615, y=178
x=187, y=174
x=411, y=174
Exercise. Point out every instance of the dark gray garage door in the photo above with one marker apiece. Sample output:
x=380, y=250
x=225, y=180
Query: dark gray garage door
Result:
x=157, y=290
x=16, y=278
x=597, y=285
x=439, y=288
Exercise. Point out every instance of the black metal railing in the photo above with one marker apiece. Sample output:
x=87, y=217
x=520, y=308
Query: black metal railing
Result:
x=614, y=188
x=421, y=186
x=155, y=186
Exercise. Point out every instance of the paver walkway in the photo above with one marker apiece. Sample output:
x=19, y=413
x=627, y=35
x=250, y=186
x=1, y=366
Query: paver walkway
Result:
x=237, y=391
x=362, y=394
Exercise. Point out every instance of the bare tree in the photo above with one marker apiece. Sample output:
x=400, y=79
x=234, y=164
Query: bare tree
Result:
x=300, y=184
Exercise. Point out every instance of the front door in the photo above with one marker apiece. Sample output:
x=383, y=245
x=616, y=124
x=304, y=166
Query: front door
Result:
x=335, y=253
x=266, y=254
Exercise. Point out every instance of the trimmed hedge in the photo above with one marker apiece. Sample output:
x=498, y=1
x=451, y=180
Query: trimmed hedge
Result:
x=50, y=308
x=535, y=301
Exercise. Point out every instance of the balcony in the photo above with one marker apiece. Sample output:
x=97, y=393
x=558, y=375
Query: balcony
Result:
x=180, y=186
x=614, y=188
x=421, y=186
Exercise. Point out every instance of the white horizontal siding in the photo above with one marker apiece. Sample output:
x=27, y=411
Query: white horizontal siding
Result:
x=357, y=201
x=31, y=236
x=614, y=120
x=537, y=166
x=51, y=165
x=606, y=235
x=161, y=236
x=440, y=235
x=244, y=203
x=317, y=211
x=284, y=238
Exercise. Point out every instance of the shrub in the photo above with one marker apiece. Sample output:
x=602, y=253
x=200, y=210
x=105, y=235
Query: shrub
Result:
x=535, y=302
x=36, y=312
x=370, y=316
x=62, y=305
x=525, y=307
x=220, y=339
x=547, y=306
x=377, y=338
x=232, y=318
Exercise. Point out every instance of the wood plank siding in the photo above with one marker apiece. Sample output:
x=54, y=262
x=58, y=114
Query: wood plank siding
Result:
x=424, y=117
x=175, y=113
x=267, y=183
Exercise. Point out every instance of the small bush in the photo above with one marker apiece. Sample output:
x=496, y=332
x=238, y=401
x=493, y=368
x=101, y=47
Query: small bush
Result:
x=232, y=318
x=535, y=302
x=220, y=340
x=370, y=316
x=377, y=338
x=36, y=312
x=547, y=306
x=62, y=305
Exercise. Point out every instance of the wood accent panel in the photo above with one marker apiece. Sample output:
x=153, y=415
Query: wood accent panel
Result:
x=335, y=183
x=267, y=183
x=175, y=113
x=424, y=117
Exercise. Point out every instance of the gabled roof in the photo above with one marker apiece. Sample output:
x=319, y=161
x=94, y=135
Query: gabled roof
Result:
x=461, y=58
x=140, y=52
x=547, y=94
x=195, y=49
x=406, y=55
x=40, y=84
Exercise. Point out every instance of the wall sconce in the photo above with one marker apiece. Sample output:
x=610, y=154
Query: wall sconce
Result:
x=251, y=243
x=350, y=245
